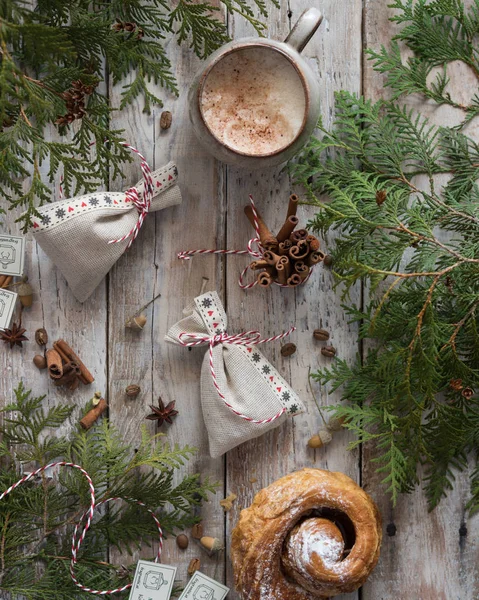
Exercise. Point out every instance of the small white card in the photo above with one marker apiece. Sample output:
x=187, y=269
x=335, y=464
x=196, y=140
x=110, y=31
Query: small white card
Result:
x=202, y=587
x=153, y=581
x=12, y=254
x=7, y=306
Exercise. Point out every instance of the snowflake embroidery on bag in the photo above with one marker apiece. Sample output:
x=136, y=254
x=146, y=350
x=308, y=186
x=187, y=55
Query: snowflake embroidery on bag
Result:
x=60, y=213
x=107, y=199
x=45, y=219
x=206, y=303
x=287, y=396
x=266, y=370
x=293, y=409
x=256, y=357
x=93, y=201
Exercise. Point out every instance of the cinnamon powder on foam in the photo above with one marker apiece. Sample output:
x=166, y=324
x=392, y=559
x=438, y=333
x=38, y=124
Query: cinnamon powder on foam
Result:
x=253, y=101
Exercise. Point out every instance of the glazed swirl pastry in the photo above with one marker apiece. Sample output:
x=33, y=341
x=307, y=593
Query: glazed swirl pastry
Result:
x=312, y=534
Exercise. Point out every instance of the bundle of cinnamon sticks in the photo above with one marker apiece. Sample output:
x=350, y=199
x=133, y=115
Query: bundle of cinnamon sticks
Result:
x=65, y=367
x=288, y=256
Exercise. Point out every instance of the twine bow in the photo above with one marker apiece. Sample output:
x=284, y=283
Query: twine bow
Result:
x=255, y=254
x=247, y=338
x=88, y=515
x=141, y=201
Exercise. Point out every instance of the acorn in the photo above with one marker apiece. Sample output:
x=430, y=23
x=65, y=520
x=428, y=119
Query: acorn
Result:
x=182, y=541
x=40, y=361
x=322, y=438
x=25, y=293
x=211, y=544
x=136, y=323
x=336, y=423
x=132, y=391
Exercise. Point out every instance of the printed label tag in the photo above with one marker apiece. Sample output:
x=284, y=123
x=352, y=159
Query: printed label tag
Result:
x=12, y=254
x=152, y=581
x=7, y=306
x=202, y=587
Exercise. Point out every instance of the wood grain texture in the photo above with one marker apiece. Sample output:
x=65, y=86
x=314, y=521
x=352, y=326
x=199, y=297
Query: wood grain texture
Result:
x=152, y=267
x=334, y=55
x=432, y=556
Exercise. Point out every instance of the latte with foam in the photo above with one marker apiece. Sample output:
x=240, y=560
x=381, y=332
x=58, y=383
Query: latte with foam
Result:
x=253, y=101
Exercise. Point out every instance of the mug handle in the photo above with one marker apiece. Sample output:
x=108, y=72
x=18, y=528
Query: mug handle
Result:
x=304, y=28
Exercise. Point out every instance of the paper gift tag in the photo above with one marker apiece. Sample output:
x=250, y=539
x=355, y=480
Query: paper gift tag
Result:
x=7, y=306
x=202, y=587
x=153, y=581
x=12, y=254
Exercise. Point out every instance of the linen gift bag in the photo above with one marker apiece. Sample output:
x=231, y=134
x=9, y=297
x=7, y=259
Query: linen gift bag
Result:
x=84, y=236
x=242, y=394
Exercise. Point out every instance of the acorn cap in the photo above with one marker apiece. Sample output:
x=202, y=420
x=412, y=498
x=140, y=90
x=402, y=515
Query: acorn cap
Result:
x=25, y=293
x=319, y=440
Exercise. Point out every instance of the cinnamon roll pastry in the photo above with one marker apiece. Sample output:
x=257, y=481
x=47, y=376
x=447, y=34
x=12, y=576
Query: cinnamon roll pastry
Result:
x=312, y=534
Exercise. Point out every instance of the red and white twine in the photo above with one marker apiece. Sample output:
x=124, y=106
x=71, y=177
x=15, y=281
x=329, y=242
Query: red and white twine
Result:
x=142, y=201
x=247, y=338
x=255, y=254
x=77, y=541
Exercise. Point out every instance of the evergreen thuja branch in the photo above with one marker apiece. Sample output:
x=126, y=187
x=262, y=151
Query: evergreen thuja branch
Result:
x=414, y=395
x=438, y=33
x=53, y=60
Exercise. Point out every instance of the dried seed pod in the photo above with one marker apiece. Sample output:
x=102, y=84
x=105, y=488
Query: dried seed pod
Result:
x=182, y=541
x=467, y=393
x=321, y=334
x=197, y=531
x=329, y=351
x=132, y=391
x=288, y=349
x=136, y=323
x=319, y=440
x=227, y=503
x=165, y=119
x=41, y=336
x=40, y=361
x=211, y=544
x=25, y=293
x=381, y=197
x=195, y=565
x=96, y=398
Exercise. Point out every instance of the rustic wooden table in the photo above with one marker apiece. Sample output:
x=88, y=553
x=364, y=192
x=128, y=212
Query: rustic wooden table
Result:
x=424, y=556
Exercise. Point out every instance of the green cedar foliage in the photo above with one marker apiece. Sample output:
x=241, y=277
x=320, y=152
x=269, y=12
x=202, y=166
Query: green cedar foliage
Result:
x=37, y=519
x=414, y=246
x=45, y=49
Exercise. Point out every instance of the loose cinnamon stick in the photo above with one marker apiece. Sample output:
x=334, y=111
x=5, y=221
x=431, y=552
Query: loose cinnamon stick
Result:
x=299, y=234
x=271, y=258
x=283, y=249
x=314, y=258
x=294, y=280
x=313, y=242
x=264, y=279
x=267, y=239
x=300, y=251
x=64, y=350
x=301, y=269
x=54, y=363
x=7, y=280
x=292, y=205
x=2, y=279
x=289, y=225
x=93, y=414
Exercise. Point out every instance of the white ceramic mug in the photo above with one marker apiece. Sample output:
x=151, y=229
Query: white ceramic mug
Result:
x=290, y=50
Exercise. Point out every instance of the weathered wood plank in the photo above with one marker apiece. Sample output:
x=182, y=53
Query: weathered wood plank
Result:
x=151, y=267
x=424, y=555
x=334, y=53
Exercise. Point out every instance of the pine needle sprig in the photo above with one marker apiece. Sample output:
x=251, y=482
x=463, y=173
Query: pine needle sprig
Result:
x=37, y=519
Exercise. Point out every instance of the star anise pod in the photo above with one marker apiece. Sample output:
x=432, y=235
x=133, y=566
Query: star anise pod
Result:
x=162, y=413
x=14, y=336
